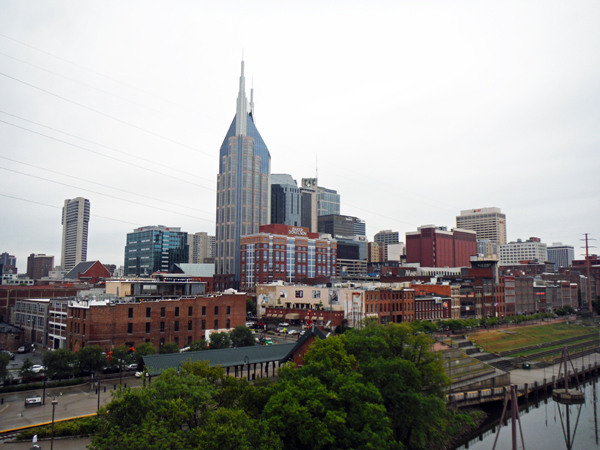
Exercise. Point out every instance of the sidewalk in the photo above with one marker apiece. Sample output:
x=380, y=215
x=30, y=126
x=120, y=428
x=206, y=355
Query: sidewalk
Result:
x=522, y=376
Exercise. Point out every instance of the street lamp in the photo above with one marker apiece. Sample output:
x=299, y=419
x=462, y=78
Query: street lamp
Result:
x=54, y=403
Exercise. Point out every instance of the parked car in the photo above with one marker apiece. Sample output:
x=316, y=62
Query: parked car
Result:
x=293, y=332
x=37, y=368
x=281, y=330
x=23, y=349
x=114, y=369
x=284, y=324
x=10, y=354
x=132, y=367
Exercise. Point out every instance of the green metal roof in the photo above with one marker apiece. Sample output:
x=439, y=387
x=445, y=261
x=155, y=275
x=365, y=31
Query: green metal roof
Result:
x=228, y=357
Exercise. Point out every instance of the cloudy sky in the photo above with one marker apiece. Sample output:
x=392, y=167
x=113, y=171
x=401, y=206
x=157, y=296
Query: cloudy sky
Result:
x=411, y=110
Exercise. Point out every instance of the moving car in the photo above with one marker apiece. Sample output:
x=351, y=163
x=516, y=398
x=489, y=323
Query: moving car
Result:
x=37, y=368
x=293, y=332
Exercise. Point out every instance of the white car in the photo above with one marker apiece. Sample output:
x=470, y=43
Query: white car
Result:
x=133, y=366
x=284, y=324
x=37, y=368
x=292, y=332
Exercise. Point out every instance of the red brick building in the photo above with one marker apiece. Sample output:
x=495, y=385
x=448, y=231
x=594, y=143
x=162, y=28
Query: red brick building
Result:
x=433, y=246
x=88, y=271
x=390, y=305
x=183, y=321
x=10, y=294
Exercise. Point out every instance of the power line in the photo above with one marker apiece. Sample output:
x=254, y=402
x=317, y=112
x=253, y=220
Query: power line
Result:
x=102, y=145
x=103, y=185
x=106, y=195
x=105, y=115
x=105, y=156
x=60, y=207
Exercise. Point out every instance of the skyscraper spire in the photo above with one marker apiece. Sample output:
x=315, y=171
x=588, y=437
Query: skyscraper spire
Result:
x=252, y=100
x=242, y=107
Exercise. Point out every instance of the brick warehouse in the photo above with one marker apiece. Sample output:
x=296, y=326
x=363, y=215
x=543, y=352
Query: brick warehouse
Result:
x=109, y=324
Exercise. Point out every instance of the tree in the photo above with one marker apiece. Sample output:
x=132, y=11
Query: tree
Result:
x=4, y=360
x=25, y=371
x=169, y=347
x=250, y=306
x=197, y=346
x=144, y=349
x=120, y=356
x=59, y=363
x=242, y=336
x=91, y=359
x=219, y=340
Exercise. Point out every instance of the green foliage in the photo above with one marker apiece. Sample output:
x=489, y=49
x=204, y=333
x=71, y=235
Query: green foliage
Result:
x=120, y=356
x=91, y=358
x=4, y=360
x=169, y=347
x=197, y=346
x=241, y=336
x=144, y=349
x=77, y=427
x=250, y=306
x=59, y=363
x=219, y=340
x=25, y=371
x=39, y=386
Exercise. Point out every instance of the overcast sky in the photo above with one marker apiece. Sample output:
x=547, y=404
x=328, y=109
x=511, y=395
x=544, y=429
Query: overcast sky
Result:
x=412, y=111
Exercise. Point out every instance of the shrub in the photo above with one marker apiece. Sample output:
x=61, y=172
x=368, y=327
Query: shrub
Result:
x=76, y=427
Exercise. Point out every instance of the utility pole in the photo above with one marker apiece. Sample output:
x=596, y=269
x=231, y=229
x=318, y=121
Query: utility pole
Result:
x=587, y=265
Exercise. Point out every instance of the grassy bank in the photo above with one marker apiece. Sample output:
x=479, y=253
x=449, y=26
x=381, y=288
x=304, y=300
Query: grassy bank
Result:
x=512, y=338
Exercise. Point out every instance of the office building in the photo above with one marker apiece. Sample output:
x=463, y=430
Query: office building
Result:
x=8, y=264
x=286, y=201
x=39, y=266
x=432, y=246
x=309, y=209
x=75, y=219
x=530, y=250
x=488, y=249
x=489, y=223
x=154, y=249
x=561, y=255
x=243, y=185
x=328, y=200
x=284, y=253
x=201, y=247
x=341, y=227
x=385, y=238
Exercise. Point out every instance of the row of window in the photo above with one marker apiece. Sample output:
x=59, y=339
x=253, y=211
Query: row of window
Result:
x=176, y=328
x=163, y=311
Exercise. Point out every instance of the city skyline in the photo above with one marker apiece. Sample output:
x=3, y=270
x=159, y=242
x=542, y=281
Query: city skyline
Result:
x=429, y=110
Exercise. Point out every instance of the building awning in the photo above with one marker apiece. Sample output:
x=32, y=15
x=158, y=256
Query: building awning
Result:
x=280, y=316
x=307, y=317
x=320, y=318
x=292, y=316
x=268, y=315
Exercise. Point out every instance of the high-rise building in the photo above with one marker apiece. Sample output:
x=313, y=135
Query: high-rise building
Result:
x=286, y=201
x=201, y=247
x=328, y=200
x=433, y=246
x=341, y=226
x=385, y=238
x=243, y=185
x=533, y=249
x=75, y=219
x=154, y=249
x=489, y=223
x=8, y=263
x=38, y=266
x=561, y=255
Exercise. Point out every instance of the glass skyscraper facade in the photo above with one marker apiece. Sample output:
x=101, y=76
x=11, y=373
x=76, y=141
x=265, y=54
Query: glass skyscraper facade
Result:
x=154, y=249
x=243, y=185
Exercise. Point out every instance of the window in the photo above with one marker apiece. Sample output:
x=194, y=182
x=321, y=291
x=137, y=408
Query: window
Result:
x=162, y=341
x=84, y=313
x=84, y=328
x=162, y=327
x=228, y=310
x=130, y=315
x=204, y=324
x=147, y=327
x=177, y=340
x=177, y=311
x=204, y=310
x=148, y=312
x=129, y=328
x=189, y=325
x=162, y=312
x=177, y=325
x=190, y=310
x=216, y=310
x=189, y=340
x=228, y=324
x=216, y=324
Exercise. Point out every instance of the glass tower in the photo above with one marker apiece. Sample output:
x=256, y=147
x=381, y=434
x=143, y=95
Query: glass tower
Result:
x=243, y=185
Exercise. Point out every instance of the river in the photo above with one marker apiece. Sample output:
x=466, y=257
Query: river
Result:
x=546, y=424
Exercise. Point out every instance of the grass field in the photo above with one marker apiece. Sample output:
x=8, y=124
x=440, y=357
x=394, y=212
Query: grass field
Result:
x=503, y=339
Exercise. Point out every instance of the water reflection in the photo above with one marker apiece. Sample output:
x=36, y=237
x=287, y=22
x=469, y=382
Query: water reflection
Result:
x=547, y=425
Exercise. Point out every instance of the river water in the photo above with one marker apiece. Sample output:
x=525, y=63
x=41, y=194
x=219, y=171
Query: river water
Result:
x=546, y=424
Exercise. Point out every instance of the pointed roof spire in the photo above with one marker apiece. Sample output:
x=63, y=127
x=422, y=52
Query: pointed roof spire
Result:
x=242, y=107
x=252, y=100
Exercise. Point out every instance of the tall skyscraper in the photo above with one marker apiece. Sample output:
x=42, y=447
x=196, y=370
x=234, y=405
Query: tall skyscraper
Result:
x=75, y=219
x=385, y=238
x=328, y=200
x=243, y=185
x=489, y=223
x=154, y=249
x=38, y=266
x=201, y=247
x=286, y=200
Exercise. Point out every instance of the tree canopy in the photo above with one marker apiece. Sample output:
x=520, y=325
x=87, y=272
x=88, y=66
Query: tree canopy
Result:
x=241, y=336
x=376, y=388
